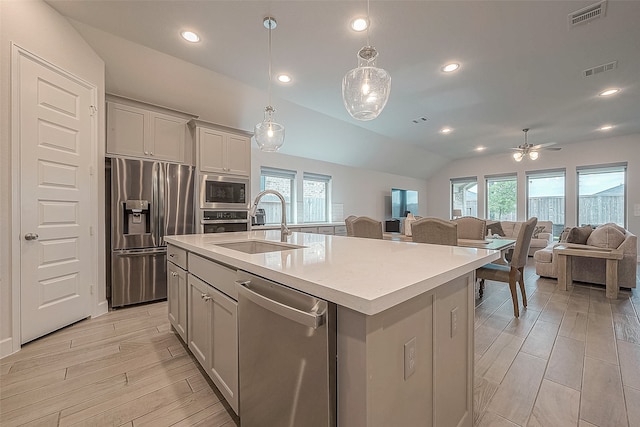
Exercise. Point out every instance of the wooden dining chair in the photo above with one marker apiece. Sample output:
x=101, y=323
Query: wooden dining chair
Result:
x=363, y=226
x=514, y=271
x=470, y=227
x=434, y=230
x=348, y=221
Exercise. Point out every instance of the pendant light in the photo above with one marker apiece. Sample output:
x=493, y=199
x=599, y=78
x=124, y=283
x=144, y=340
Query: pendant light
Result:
x=366, y=89
x=269, y=134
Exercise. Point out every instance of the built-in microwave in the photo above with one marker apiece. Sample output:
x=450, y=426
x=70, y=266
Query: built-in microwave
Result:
x=224, y=192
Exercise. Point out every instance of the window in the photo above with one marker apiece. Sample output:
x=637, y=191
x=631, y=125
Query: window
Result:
x=283, y=181
x=602, y=194
x=316, y=197
x=546, y=197
x=502, y=198
x=464, y=196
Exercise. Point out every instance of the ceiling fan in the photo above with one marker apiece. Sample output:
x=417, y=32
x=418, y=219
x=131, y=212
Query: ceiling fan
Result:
x=532, y=151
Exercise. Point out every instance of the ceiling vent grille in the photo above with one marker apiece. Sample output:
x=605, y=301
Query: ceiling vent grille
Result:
x=420, y=120
x=588, y=14
x=600, y=69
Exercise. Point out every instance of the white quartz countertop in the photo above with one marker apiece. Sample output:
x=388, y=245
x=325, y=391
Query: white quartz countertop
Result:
x=366, y=275
x=303, y=225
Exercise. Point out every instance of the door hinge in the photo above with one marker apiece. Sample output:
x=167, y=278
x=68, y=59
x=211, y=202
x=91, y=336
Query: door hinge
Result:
x=90, y=230
x=91, y=289
x=90, y=170
x=93, y=110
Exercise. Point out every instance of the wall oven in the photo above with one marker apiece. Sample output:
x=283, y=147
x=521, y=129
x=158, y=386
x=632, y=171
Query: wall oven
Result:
x=224, y=192
x=223, y=221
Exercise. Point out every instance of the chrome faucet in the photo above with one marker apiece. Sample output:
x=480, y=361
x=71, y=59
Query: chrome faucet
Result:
x=284, y=231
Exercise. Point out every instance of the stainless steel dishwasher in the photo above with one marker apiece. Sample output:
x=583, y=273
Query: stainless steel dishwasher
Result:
x=287, y=356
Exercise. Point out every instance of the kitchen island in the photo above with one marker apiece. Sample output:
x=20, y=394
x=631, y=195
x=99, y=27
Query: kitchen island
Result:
x=404, y=329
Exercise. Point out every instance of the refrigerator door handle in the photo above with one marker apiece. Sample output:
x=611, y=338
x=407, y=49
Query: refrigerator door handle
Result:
x=155, y=205
x=140, y=252
x=161, y=186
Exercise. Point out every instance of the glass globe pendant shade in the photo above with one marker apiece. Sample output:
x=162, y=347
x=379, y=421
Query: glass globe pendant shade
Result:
x=533, y=155
x=366, y=89
x=517, y=156
x=269, y=135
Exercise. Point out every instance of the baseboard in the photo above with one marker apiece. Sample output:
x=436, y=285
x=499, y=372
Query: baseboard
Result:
x=6, y=347
x=102, y=308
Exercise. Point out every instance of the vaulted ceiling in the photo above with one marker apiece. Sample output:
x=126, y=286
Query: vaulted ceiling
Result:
x=521, y=64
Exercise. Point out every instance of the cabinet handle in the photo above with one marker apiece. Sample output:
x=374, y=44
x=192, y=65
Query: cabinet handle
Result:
x=172, y=255
x=174, y=274
x=206, y=298
x=146, y=153
x=152, y=153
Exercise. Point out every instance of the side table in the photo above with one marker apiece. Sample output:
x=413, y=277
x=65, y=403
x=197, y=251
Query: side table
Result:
x=565, y=254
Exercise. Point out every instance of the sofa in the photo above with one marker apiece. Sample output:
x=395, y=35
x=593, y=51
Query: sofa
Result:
x=542, y=234
x=592, y=270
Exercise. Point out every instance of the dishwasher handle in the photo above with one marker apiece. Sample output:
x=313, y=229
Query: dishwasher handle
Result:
x=309, y=319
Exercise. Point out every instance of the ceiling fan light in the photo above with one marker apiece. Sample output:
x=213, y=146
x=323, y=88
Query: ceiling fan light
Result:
x=517, y=156
x=533, y=155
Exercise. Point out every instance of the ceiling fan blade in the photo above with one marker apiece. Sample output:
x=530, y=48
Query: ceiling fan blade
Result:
x=551, y=148
x=539, y=146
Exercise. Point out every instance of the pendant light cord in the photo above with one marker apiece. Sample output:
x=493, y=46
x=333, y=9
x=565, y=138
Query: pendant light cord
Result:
x=269, y=85
x=368, y=24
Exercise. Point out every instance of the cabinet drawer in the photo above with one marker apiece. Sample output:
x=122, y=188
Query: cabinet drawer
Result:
x=309, y=229
x=177, y=256
x=217, y=275
x=325, y=230
x=340, y=230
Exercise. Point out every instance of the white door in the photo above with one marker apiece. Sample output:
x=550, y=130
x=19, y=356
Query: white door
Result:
x=55, y=126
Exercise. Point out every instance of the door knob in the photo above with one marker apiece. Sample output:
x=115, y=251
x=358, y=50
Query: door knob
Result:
x=31, y=236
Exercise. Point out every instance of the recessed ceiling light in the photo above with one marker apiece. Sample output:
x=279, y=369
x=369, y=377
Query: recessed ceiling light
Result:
x=480, y=148
x=450, y=67
x=609, y=92
x=190, y=36
x=284, y=78
x=446, y=130
x=359, y=24
x=606, y=127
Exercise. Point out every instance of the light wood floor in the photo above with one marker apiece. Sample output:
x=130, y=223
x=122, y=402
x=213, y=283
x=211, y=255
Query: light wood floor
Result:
x=573, y=358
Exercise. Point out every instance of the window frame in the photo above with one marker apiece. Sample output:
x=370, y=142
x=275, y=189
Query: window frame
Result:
x=291, y=175
x=497, y=178
x=548, y=173
x=603, y=168
x=326, y=180
x=463, y=180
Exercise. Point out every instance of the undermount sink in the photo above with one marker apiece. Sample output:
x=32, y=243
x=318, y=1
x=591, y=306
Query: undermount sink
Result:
x=257, y=246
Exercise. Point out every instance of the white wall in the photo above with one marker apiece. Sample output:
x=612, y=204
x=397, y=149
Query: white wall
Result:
x=37, y=28
x=606, y=150
x=360, y=191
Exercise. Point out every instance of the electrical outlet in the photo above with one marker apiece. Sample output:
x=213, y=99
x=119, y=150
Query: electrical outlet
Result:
x=454, y=322
x=409, y=358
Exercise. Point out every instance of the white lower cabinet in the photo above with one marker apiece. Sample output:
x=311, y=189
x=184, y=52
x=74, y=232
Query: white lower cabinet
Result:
x=177, y=298
x=213, y=335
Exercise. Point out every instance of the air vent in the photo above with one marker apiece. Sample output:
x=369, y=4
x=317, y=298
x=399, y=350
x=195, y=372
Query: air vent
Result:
x=588, y=14
x=600, y=69
x=419, y=120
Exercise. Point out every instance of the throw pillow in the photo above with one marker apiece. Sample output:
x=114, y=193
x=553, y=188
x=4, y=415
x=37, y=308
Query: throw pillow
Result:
x=565, y=234
x=606, y=237
x=614, y=225
x=536, y=231
x=579, y=234
x=496, y=228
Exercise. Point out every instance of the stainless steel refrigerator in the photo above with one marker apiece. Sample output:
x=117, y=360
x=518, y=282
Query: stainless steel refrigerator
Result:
x=149, y=200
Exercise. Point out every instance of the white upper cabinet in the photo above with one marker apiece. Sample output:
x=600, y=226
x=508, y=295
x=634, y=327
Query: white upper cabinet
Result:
x=222, y=150
x=136, y=131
